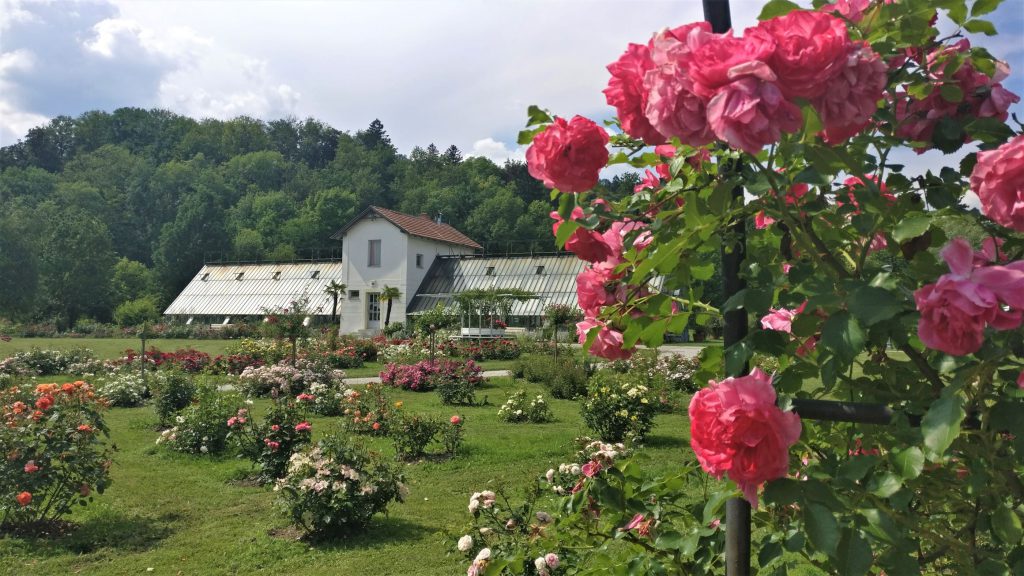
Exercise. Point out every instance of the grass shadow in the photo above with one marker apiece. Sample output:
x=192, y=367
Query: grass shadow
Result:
x=661, y=441
x=115, y=530
x=381, y=532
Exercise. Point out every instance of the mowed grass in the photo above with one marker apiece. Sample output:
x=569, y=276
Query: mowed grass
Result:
x=178, y=514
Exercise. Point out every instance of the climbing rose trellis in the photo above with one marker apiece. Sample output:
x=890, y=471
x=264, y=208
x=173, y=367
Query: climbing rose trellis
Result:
x=867, y=282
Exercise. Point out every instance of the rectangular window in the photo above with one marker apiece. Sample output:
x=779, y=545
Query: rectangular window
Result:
x=419, y=260
x=353, y=294
x=373, y=261
x=490, y=271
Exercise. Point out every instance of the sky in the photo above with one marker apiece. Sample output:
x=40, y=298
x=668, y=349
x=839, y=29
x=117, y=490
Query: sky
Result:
x=433, y=71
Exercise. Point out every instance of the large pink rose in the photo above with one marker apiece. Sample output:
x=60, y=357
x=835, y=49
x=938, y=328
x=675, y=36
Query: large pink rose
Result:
x=586, y=244
x=607, y=344
x=627, y=94
x=949, y=322
x=672, y=107
x=592, y=289
x=851, y=98
x=568, y=155
x=737, y=430
x=714, y=64
x=955, y=309
x=810, y=50
x=998, y=180
x=751, y=112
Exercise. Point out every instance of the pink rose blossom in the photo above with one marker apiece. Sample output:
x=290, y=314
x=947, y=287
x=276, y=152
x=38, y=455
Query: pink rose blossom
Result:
x=1020, y=380
x=592, y=289
x=851, y=98
x=751, y=112
x=672, y=106
x=551, y=559
x=568, y=156
x=781, y=319
x=590, y=469
x=762, y=220
x=627, y=94
x=455, y=420
x=810, y=50
x=587, y=244
x=607, y=344
x=720, y=59
x=955, y=309
x=303, y=426
x=853, y=10
x=31, y=467
x=998, y=180
x=737, y=430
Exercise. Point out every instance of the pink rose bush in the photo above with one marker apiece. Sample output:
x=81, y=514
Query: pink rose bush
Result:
x=819, y=104
x=736, y=430
x=998, y=180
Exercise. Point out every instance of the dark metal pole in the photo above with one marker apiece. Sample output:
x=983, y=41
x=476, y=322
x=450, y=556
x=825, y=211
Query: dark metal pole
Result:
x=734, y=248
x=833, y=411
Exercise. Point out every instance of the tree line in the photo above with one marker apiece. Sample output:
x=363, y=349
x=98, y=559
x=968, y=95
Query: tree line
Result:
x=108, y=215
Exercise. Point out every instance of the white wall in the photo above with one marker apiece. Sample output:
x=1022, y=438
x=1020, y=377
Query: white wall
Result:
x=430, y=250
x=359, y=276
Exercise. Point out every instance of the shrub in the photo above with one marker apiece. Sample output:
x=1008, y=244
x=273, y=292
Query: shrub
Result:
x=53, y=453
x=520, y=408
x=200, y=427
x=426, y=375
x=336, y=487
x=233, y=364
x=564, y=377
x=264, y=349
x=284, y=379
x=412, y=433
x=42, y=362
x=497, y=349
x=325, y=398
x=270, y=444
x=514, y=532
x=452, y=434
x=172, y=391
x=125, y=388
x=403, y=352
x=568, y=475
x=365, y=348
x=457, y=386
x=618, y=407
x=394, y=329
x=367, y=411
x=136, y=312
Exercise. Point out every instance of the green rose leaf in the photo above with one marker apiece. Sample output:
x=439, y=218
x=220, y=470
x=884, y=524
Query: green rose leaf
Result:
x=911, y=227
x=872, y=305
x=1006, y=525
x=822, y=528
x=777, y=8
x=853, y=556
x=909, y=462
x=843, y=336
x=941, y=425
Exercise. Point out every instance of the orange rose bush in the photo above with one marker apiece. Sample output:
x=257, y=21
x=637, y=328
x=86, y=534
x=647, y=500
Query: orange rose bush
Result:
x=54, y=456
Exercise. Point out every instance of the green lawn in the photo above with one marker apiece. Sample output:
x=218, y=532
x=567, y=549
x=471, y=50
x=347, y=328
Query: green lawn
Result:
x=180, y=514
x=110, y=347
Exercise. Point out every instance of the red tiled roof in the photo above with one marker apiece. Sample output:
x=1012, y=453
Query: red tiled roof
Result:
x=421, y=226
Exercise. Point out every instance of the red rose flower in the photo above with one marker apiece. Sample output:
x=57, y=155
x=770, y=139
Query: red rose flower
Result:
x=456, y=420
x=627, y=94
x=569, y=155
x=737, y=430
x=44, y=402
x=24, y=499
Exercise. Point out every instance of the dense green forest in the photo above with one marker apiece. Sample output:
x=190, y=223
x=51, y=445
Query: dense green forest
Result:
x=117, y=211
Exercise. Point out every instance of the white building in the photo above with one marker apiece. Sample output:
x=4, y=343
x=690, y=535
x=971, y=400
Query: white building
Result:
x=381, y=247
x=428, y=262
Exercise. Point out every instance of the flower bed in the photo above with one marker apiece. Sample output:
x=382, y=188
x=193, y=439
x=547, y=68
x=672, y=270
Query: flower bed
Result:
x=427, y=375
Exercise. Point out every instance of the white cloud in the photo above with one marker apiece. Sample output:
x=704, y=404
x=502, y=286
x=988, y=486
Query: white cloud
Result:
x=497, y=152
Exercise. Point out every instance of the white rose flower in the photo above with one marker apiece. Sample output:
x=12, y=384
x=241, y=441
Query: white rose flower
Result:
x=483, y=555
x=465, y=543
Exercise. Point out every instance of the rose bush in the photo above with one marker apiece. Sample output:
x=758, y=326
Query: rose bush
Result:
x=857, y=285
x=54, y=455
x=283, y=431
x=521, y=408
x=336, y=487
